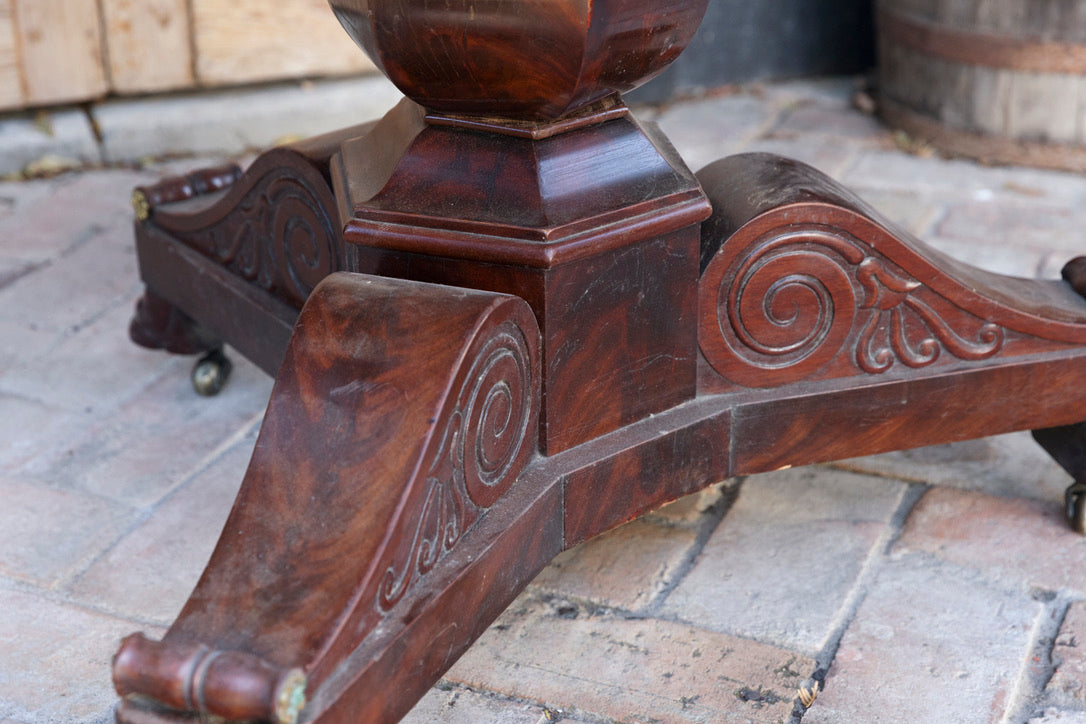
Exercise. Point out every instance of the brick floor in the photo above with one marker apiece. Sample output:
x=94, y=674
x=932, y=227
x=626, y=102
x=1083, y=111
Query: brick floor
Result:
x=784, y=561
x=1018, y=542
x=1012, y=466
x=607, y=666
x=628, y=567
x=54, y=659
x=1068, y=682
x=935, y=585
x=457, y=705
x=148, y=574
x=929, y=643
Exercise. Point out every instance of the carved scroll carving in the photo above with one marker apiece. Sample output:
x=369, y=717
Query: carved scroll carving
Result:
x=790, y=302
x=885, y=337
x=273, y=228
x=401, y=414
x=475, y=462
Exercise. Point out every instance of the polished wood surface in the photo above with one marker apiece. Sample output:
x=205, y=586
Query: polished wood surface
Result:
x=495, y=338
x=535, y=60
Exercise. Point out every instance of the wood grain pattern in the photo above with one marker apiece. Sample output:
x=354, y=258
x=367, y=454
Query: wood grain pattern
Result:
x=241, y=42
x=535, y=60
x=60, y=50
x=403, y=551
x=812, y=285
x=990, y=78
x=1047, y=19
x=149, y=44
x=547, y=340
x=11, y=83
x=415, y=438
x=595, y=227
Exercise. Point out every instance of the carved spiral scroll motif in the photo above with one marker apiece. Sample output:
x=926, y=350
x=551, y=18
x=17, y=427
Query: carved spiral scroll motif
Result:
x=496, y=415
x=277, y=235
x=778, y=308
x=304, y=238
x=483, y=447
x=782, y=311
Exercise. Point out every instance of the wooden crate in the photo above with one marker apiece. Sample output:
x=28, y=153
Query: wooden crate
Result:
x=65, y=51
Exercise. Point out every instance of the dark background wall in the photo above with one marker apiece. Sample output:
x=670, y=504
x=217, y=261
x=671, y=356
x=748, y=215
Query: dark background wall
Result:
x=746, y=40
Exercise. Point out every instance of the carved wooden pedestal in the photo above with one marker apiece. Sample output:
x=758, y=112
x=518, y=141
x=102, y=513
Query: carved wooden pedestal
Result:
x=506, y=318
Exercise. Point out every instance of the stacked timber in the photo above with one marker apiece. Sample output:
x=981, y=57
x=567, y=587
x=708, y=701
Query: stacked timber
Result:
x=1003, y=81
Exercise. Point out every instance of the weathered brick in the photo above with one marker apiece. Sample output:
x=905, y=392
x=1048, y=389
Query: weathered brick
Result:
x=961, y=179
x=929, y=643
x=787, y=555
x=829, y=155
x=913, y=212
x=55, y=660
x=825, y=120
x=31, y=429
x=1068, y=682
x=95, y=368
x=150, y=572
x=1007, y=465
x=1058, y=716
x=453, y=705
x=690, y=510
x=1032, y=222
x=50, y=535
x=68, y=292
x=1018, y=542
x=50, y=218
x=630, y=670
x=715, y=127
x=1001, y=256
x=139, y=453
x=626, y=567
x=831, y=92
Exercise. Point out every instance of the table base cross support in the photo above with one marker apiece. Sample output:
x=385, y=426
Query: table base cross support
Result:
x=496, y=335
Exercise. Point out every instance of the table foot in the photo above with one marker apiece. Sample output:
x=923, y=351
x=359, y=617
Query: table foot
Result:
x=382, y=503
x=157, y=324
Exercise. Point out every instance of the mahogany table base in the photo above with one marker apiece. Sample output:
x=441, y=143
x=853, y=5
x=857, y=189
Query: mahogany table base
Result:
x=489, y=348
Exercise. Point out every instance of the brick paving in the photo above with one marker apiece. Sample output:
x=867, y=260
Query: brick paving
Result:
x=933, y=585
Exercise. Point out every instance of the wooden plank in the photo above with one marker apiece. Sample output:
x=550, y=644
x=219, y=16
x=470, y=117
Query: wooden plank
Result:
x=11, y=89
x=149, y=44
x=61, y=50
x=249, y=40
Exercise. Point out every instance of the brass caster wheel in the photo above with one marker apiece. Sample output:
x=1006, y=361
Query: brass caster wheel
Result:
x=1075, y=507
x=210, y=373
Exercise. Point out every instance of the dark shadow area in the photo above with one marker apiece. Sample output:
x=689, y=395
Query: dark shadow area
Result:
x=741, y=41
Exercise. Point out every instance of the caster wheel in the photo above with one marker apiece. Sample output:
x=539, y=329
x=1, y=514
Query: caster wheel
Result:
x=1075, y=507
x=210, y=373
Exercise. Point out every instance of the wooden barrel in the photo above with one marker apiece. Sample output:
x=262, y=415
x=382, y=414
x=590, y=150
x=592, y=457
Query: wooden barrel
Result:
x=1003, y=81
